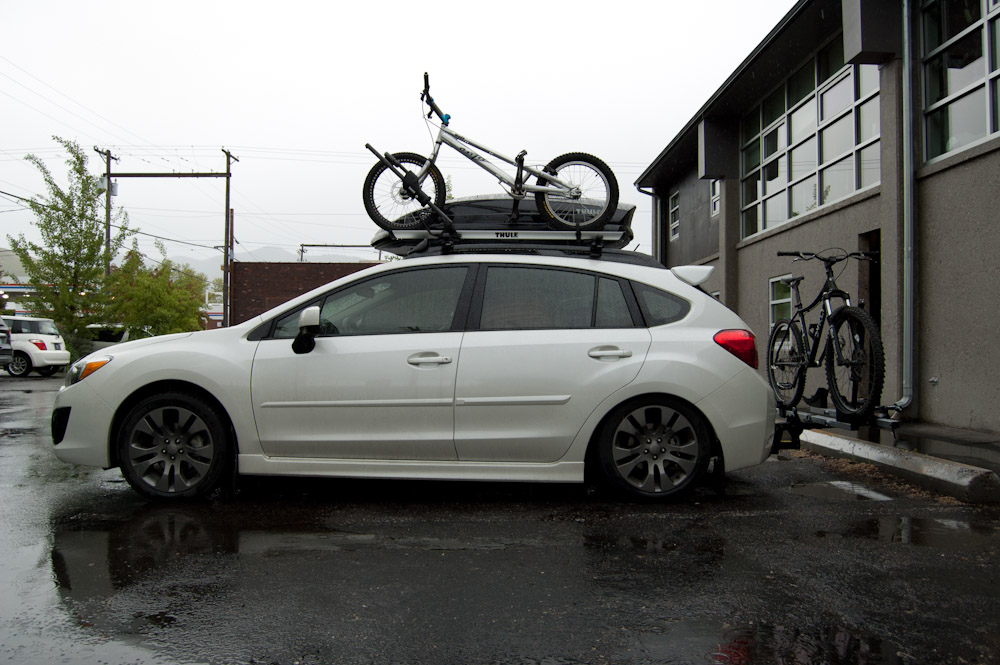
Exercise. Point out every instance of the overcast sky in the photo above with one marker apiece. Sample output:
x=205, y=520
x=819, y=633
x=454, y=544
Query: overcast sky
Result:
x=295, y=89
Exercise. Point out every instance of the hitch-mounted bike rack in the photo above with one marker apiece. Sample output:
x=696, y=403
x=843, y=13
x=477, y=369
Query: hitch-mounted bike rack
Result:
x=818, y=417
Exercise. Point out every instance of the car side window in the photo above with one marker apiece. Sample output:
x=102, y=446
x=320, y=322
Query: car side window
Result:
x=422, y=300
x=659, y=307
x=527, y=298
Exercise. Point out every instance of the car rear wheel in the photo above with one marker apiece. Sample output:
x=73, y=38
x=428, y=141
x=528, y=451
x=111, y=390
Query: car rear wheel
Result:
x=174, y=445
x=655, y=448
x=20, y=365
x=47, y=371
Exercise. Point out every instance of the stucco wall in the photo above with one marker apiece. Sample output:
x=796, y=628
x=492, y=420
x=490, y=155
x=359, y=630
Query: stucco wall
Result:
x=958, y=250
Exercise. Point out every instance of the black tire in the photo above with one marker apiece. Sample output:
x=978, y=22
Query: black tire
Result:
x=47, y=371
x=386, y=202
x=20, y=365
x=174, y=446
x=786, y=363
x=856, y=382
x=599, y=189
x=654, y=448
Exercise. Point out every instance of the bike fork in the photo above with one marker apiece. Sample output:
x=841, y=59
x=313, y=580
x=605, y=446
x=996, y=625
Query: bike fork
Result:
x=518, y=191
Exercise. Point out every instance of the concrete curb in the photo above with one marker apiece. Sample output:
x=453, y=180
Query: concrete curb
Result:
x=962, y=481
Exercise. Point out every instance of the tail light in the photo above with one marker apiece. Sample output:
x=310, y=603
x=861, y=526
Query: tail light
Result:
x=39, y=343
x=740, y=343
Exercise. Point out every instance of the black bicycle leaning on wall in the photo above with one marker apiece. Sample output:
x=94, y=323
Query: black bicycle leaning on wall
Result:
x=852, y=352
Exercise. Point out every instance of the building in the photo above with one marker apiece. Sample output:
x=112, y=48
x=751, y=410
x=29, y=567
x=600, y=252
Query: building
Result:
x=257, y=287
x=858, y=124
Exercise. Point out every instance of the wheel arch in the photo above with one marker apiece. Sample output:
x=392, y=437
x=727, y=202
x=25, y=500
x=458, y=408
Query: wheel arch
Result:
x=592, y=469
x=158, y=387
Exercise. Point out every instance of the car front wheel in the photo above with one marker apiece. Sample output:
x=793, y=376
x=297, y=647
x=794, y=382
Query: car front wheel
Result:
x=174, y=445
x=655, y=448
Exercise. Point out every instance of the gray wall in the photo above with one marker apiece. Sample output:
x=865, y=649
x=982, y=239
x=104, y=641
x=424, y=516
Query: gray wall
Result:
x=958, y=250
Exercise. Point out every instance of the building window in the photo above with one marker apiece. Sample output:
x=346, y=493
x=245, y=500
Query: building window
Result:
x=675, y=215
x=715, y=203
x=813, y=140
x=961, y=73
x=780, y=299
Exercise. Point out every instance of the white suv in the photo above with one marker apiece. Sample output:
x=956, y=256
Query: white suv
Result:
x=38, y=346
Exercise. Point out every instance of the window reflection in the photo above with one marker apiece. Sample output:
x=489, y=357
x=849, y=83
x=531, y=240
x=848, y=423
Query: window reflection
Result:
x=946, y=18
x=838, y=98
x=804, y=197
x=957, y=67
x=838, y=180
x=957, y=124
x=803, y=121
x=870, y=165
x=837, y=138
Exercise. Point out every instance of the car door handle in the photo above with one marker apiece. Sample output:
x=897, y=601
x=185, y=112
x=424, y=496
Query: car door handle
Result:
x=609, y=352
x=418, y=359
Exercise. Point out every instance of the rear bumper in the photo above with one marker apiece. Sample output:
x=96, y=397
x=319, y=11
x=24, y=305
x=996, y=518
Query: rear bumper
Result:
x=742, y=412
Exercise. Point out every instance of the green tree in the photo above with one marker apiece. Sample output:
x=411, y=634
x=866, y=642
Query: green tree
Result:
x=67, y=269
x=158, y=300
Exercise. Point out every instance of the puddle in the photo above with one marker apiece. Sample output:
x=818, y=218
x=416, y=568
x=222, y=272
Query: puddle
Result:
x=700, y=641
x=928, y=532
x=838, y=489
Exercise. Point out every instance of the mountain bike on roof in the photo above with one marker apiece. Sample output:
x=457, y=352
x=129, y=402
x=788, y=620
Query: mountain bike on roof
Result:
x=575, y=191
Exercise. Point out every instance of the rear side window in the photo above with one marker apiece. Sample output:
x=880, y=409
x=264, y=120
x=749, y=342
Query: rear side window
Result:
x=527, y=298
x=660, y=307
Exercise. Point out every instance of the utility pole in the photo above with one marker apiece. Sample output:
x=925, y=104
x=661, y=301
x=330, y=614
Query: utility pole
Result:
x=107, y=208
x=228, y=249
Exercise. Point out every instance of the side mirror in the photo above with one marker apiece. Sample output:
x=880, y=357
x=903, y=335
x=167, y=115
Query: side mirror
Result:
x=305, y=341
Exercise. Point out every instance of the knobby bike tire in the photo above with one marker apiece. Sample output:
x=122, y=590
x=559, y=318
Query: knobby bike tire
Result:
x=856, y=387
x=386, y=202
x=595, y=178
x=786, y=363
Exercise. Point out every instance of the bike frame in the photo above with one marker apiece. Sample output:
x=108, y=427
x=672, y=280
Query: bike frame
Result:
x=468, y=149
x=812, y=337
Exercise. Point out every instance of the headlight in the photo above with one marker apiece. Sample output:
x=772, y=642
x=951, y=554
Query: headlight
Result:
x=84, y=367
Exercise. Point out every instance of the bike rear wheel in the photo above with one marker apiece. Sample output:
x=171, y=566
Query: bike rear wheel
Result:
x=855, y=376
x=388, y=204
x=598, y=197
x=786, y=363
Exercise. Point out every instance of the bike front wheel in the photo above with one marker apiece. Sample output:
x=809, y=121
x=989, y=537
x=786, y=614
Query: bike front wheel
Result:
x=855, y=374
x=592, y=201
x=389, y=205
x=786, y=363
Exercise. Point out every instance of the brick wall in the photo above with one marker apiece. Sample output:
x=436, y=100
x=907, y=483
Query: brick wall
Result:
x=257, y=287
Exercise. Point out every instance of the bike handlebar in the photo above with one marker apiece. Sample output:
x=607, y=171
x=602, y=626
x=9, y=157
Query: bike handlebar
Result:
x=425, y=96
x=806, y=256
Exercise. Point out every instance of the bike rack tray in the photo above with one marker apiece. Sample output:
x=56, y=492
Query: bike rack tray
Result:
x=794, y=420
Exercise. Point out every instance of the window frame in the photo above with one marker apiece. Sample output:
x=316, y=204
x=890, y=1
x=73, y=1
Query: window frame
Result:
x=715, y=197
x=767, y=203
x=772, y=302
x=674, y=215
x=987, y=26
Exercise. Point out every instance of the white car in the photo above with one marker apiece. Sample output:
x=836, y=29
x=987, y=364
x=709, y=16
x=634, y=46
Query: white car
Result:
x=37, y=345
x=465, y=366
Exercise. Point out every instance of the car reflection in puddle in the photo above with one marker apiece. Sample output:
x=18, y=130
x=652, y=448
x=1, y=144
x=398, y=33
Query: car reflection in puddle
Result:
x=838, y=489
x=945, y=534
x=713, y=641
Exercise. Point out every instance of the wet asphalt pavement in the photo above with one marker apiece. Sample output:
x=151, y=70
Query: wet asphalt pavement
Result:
x=802, y=561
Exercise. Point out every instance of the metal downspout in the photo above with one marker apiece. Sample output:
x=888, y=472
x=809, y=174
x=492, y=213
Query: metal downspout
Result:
x=908, y=214
x=654, y=227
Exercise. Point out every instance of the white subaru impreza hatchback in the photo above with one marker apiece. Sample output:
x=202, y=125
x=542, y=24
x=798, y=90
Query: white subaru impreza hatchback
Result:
x=465, y=366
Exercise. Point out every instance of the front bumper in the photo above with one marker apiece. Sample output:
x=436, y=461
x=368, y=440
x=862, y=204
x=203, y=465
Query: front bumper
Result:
x=83, y=427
